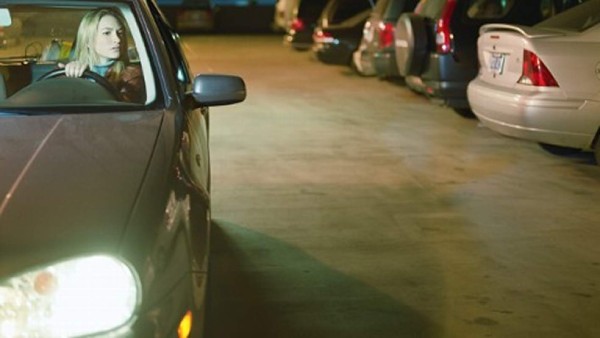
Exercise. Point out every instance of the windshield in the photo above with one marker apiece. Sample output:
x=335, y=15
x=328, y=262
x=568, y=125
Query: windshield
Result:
x=72, y=54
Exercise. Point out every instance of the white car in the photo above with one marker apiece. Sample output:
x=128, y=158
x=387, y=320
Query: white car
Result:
x=284, y=14
x=542, y=83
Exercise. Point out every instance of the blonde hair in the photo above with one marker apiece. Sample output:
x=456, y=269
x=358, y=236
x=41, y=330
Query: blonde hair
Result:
x=86, y=37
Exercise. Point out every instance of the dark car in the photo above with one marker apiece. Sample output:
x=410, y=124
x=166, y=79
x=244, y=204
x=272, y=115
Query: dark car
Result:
x=104, y=202
x=339, y=30
x=243, y=16
x=376, y=53
x=188, y=15
x=299, y=33
x=436, y=46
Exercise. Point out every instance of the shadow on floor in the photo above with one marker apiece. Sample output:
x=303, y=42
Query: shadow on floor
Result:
x=262, y=287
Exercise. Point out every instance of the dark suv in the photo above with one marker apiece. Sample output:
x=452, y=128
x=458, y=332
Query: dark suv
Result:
x=375, y=54
x=299, y=34
x=339, y=30
x=436, y=46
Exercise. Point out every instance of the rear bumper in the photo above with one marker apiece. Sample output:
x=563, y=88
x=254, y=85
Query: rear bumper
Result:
x=446, y=78
x=362, y=60
x=537, y=116
x=384, y=63
x=339, y=54
x=298, y=40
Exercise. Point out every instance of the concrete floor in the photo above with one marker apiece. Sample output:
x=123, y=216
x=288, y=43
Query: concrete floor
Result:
x=351, y=207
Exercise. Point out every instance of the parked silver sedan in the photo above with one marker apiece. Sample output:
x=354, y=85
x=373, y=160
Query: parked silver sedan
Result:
x=542, y=83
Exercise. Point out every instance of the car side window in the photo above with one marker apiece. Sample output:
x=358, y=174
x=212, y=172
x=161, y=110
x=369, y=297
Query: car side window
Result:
x=566, y=4
x=176, y=57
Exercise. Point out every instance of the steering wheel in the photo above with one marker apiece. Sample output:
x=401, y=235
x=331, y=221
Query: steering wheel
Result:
x=88, y=75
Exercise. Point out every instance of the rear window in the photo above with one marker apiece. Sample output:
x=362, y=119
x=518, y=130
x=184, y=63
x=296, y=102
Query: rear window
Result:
x=311, y=9
x=397, y=7
x=577, y=19
x=430, y=8
x=381, y=6
x=489, y=9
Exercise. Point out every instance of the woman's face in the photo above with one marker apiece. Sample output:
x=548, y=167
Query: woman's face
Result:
x=108, y=39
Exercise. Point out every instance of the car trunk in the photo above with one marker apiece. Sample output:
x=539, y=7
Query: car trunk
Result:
x=501, y=50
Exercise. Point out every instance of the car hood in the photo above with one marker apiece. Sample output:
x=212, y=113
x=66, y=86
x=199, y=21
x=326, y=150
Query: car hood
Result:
x=68, y=183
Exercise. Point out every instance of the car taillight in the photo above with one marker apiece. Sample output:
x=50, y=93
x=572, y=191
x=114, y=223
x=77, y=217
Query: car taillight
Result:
x=297, y=25
x=443, y=35
x=386, y=35
x=322, y=37
x=535, y=72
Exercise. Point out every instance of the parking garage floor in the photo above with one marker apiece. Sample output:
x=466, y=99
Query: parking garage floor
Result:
x=350, y=207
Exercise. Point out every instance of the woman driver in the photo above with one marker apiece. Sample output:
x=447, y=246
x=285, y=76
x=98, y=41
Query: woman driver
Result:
x=102, y=48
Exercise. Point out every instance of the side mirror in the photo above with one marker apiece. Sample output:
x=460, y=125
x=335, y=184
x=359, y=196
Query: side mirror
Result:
x=218, y=90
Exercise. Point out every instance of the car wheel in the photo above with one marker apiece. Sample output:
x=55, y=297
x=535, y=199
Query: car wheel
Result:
x=411, y=44
x=559, y=150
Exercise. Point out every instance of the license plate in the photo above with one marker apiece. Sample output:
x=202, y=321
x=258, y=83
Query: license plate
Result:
x=497, y=63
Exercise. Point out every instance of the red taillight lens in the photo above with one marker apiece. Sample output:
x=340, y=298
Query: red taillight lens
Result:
x=298, y=25
x=386, y=34
x=443, y=35
x=535, y=72
x=322, y=37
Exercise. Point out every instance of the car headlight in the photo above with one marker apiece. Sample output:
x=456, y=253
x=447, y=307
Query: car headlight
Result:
x=77, y=297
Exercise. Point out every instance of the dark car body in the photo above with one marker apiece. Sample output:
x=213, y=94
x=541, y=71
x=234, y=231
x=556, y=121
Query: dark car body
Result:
x=335, y=44
x=299, y=34
x=436, y=46
x=188, y=15
x=376, y=52
x=104, y=204
x=339, y=30
x=243, y=16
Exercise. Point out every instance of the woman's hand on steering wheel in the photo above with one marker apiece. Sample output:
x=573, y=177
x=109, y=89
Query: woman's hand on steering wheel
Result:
x=73, y=68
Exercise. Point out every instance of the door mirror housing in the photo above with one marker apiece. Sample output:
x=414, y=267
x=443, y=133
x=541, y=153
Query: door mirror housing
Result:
x=218, y=90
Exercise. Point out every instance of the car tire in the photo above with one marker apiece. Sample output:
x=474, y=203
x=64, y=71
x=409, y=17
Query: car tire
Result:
x=465, y=112
x=559, y=150
x=410, y=44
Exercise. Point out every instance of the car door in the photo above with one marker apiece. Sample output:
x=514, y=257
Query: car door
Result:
x=194, y=162
x=194, y=142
